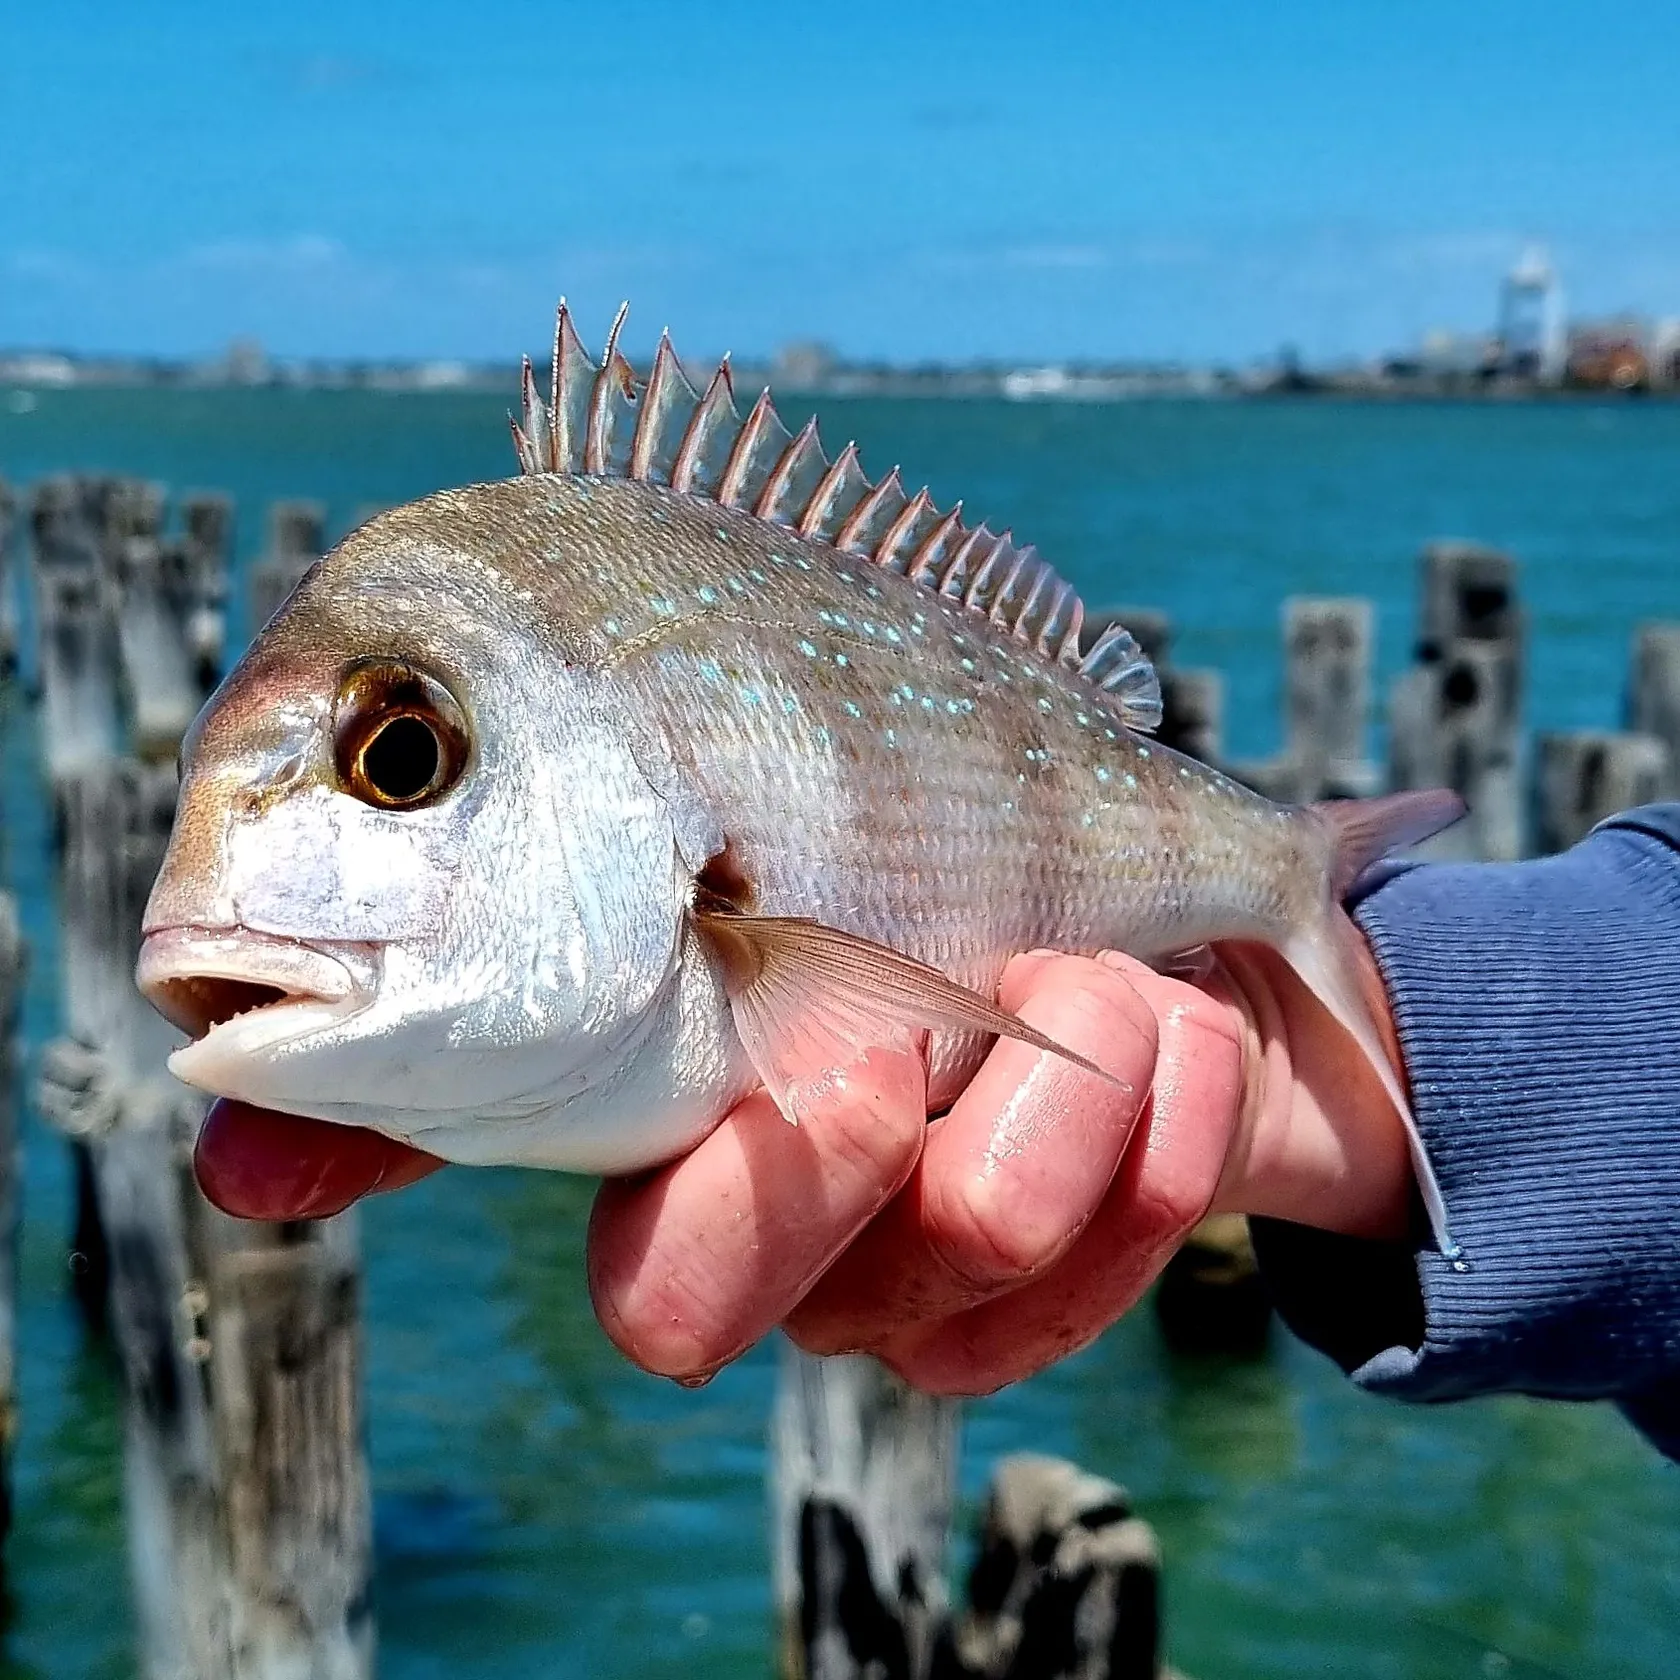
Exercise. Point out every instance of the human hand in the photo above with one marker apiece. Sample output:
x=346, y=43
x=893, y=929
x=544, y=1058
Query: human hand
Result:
x=970, y=1251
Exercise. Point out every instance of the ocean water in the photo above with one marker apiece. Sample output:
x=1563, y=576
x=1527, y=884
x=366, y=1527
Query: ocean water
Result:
x=543, y=1509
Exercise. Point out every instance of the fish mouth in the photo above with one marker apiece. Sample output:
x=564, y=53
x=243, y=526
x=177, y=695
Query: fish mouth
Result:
x=236, y=992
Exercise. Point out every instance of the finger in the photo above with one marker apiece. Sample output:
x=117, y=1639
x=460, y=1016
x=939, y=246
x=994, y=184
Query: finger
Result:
x=692, y=1264
x=1009, y=1178
x=1163, y=1187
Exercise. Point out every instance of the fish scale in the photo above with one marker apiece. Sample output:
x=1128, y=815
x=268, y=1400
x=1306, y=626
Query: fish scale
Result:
x=760, y=763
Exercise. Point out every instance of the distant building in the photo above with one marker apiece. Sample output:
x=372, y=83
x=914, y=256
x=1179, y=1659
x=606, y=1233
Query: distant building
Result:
x=805, y=366
x=38, y=367
x=1533, y=342
x=1665, y=353
x=1455, y=355
x=1613, y=355
x=246, y=363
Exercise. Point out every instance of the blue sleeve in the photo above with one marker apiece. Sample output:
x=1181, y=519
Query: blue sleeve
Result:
x=1538, y=1009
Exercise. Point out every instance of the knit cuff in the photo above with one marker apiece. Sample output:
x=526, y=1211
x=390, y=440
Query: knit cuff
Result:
x=1538, y=1010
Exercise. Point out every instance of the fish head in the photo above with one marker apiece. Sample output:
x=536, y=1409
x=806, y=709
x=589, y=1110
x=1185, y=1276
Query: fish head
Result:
x=418, y=881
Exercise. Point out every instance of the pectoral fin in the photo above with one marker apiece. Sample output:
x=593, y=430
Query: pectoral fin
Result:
x=809, y=1000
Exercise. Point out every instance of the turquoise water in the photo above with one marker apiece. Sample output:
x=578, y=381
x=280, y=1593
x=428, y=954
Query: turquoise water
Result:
x=543, y=1509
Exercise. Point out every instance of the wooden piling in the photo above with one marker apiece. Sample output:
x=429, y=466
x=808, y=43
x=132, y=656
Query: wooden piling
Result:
x=11, y=1173
x=1653, y=701
x=1587, y=775
x=862, y=1479
x=296, y=540
x=1193, y=713
x=1455, y=717
x=8, y=602
x=247, y=1498
x=1327, y=652
x=1066, y=1582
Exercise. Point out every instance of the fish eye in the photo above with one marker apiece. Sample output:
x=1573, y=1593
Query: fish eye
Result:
x=399, y=737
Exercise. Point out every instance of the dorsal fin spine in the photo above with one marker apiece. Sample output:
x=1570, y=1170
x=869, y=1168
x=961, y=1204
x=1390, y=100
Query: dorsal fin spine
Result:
x=694, y=438
x=953, y=577
x=846, y=537
x=595, y=440
x=556, y=373
x=924, y=563
x=597, y=421
x=740, y=457
x=822, y=498
x=781, y=474
x=651, y=414
x=887, y=550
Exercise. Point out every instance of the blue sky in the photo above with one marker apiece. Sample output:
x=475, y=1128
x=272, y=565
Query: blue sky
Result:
x=945, y=180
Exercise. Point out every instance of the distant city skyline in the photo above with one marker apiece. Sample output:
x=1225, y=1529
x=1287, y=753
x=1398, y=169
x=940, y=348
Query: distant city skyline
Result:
x=946, y=182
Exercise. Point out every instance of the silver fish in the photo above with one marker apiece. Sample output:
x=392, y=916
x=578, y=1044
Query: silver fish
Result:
x=549, y=817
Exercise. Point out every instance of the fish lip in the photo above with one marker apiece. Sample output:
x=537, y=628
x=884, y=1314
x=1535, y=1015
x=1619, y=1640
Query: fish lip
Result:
x=209, y=982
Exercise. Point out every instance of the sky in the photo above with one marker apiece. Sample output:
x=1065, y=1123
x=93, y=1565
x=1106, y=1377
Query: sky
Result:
x=1182, y=179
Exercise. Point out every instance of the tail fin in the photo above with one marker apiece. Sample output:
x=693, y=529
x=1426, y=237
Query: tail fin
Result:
x=1327, y=954
x=1363, y=830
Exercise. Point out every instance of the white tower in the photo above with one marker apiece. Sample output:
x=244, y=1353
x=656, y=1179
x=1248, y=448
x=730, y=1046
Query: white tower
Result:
x=1531, y=330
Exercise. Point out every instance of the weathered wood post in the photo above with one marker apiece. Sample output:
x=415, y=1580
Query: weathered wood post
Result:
x=1653, y=702
x=1327, y=643
x=8, y=601
x=1193, y=713
x=247, y=1491
x=296, y=540
x=1455, y=717
x=1066, y=1582
x=80, y=733
x=1586, y=775
x=11, y=1172
x=862, y=1480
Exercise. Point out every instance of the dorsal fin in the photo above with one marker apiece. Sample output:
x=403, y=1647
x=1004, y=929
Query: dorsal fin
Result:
x=604, y=421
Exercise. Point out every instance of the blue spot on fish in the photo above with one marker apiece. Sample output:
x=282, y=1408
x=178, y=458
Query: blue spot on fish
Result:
x=853, y=709
x=1131, y=781
x=841, y=659
x=809, y=649
x=707, y=595
x=1103, y=773
x=749, y=696
x=968, y=665
x=611, y=626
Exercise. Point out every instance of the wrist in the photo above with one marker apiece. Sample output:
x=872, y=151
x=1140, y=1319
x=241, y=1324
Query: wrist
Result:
x=1318, y=1142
